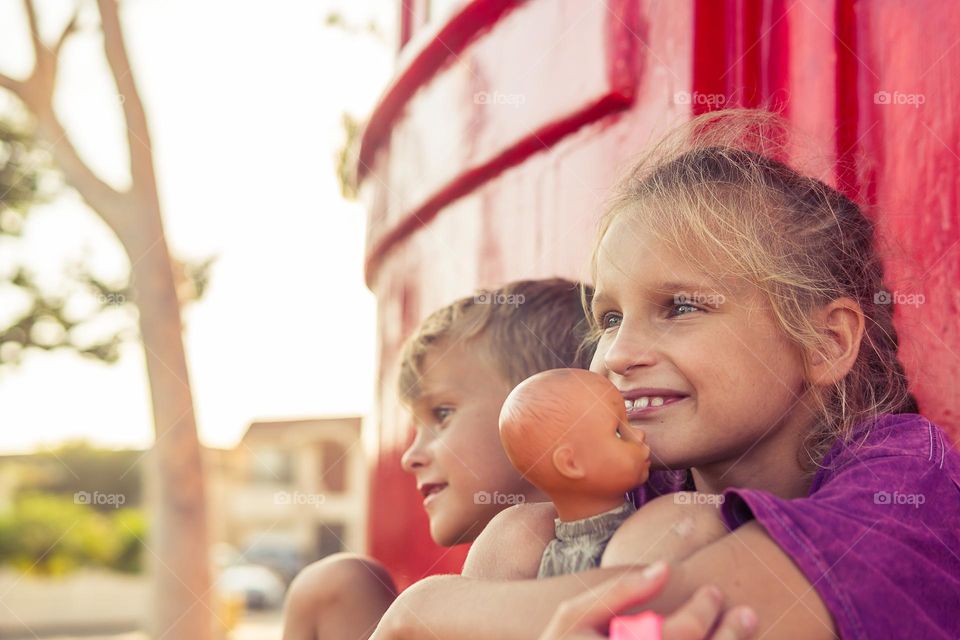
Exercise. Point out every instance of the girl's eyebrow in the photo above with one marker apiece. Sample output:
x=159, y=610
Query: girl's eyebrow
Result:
x=685, y=286
x=600, y=298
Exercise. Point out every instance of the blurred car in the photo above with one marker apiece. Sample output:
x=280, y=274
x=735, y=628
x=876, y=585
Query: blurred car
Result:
x=259, y=587
x=282, y=558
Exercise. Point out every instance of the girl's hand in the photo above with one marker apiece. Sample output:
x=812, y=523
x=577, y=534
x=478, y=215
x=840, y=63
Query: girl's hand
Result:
x=587, y=615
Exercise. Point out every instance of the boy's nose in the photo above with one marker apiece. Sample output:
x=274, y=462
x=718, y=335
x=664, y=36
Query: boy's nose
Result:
x=415, y=456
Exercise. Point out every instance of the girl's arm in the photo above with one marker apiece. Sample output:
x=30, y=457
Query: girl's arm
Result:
x=458, y=608
x=747, y=565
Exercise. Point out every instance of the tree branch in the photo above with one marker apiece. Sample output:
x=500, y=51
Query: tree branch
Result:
x=101, y=197
x=36, y=92
x=138, y=133
x=69, y=30
x=15, y=86
x=40, y=52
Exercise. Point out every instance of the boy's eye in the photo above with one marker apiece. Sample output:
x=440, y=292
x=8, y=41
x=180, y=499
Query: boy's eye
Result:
x=440, y=414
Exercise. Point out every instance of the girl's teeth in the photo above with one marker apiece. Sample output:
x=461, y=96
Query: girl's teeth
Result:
x=643, y=403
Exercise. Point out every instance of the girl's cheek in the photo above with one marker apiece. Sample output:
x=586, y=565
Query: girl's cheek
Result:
x=596, y=365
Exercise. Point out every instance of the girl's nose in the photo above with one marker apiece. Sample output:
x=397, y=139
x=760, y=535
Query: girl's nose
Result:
x=627, y=351
x=416, y=455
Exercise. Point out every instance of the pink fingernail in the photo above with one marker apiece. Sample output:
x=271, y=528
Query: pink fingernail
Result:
x=654, y=570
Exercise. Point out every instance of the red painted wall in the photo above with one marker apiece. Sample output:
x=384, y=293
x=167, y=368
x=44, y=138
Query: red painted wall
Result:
x=490, y=154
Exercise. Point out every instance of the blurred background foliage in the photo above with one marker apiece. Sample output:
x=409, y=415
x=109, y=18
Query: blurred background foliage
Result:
x=52, y=526
x=81, y=311
x=53, y=535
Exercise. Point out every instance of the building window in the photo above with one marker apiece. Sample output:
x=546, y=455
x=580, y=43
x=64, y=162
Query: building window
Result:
x=330, y=538
x=333, y=466
x=272, y=466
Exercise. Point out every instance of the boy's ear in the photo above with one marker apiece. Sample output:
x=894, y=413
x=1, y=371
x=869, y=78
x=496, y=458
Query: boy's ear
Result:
x=842, y=325
x=566, y=464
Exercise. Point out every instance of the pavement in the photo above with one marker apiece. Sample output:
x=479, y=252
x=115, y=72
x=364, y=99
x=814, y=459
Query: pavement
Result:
x=252, y=626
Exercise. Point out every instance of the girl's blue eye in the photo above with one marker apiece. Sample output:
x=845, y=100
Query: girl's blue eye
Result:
x=689, y=308
x=610, y=319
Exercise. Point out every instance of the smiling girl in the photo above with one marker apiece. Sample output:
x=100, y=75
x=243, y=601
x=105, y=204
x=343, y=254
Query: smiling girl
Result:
x=739, y=309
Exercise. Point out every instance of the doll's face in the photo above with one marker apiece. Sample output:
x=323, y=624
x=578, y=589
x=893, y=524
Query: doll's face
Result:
x=613, y=455
x=567, y=430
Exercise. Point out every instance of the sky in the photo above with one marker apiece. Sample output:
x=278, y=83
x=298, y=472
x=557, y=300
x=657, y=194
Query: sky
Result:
x=244, y=100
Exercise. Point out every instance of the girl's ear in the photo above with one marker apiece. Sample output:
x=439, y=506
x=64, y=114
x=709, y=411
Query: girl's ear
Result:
x=841, y=324
x=566, y=464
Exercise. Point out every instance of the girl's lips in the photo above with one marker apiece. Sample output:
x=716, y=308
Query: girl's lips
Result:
x=643, y=412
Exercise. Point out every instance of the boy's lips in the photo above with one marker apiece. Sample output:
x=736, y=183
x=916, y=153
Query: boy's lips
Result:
x=430, y=490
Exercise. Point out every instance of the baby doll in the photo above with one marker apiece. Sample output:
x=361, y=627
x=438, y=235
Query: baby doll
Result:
x=566, y=431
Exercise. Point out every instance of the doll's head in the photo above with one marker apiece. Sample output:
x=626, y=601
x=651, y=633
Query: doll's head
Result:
x=566, y=431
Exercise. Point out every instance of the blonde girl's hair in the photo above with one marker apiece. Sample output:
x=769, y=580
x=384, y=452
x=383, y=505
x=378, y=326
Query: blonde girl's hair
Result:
x=719, y=190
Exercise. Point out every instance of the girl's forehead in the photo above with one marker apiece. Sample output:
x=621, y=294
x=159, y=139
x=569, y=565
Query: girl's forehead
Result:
x=628, y=252
x=632, y=258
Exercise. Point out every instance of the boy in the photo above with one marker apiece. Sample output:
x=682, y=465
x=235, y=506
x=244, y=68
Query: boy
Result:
x=456, y=371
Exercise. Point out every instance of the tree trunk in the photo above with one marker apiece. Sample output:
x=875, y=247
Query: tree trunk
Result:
x=178, y=544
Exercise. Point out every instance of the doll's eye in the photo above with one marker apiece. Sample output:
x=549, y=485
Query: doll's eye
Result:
x=441, y=414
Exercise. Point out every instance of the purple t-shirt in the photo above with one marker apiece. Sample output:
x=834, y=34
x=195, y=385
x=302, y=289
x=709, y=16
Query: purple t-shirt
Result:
x=878, y=535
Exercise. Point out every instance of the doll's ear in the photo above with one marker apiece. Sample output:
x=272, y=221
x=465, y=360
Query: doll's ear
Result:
x=565, y=461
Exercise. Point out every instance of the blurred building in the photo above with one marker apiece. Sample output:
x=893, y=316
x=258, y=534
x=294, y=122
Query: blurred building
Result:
x=291, y=491
x=491, y=151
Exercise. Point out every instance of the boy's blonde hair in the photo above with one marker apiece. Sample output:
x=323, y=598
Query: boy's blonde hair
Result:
x=716, y=191
x=524, y=327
